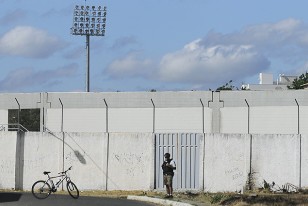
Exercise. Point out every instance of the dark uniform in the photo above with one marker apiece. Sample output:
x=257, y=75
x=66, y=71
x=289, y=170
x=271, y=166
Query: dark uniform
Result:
x=168, y=166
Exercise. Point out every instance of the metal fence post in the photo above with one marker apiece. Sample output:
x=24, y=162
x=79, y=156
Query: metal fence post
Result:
x=153, y=115
x=106, y=115
x=18, y=114
x=62, y=137
x=202, y=115
x=248, y=118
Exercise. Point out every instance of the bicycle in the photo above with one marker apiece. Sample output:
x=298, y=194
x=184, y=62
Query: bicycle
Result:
x=42, y=189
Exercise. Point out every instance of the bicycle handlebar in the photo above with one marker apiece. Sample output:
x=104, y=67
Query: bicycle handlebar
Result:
x=65, y=170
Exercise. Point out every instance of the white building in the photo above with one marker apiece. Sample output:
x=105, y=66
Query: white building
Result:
x=266, y=82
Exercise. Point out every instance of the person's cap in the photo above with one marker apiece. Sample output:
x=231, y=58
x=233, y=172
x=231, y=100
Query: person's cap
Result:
x=167, y=155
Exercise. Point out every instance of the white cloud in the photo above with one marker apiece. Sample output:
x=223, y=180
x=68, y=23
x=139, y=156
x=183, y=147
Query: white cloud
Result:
x=218, y=58
x=130, y=66
x=286, y=40
x=238, y=55
x=198, y=64
x=27, y=41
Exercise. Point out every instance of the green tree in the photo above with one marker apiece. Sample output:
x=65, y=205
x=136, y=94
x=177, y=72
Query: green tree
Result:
x=299, y=82
x=227, y=86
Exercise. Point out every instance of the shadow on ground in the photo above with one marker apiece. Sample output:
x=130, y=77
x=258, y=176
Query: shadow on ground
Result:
x=9, y=197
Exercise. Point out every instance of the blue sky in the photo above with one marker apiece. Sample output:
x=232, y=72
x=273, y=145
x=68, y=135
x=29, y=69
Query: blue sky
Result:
x=166, y=45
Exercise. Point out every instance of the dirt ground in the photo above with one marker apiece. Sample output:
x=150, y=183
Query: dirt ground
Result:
x=209, y=199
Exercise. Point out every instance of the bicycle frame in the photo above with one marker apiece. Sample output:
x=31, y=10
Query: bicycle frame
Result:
x=61, y=178
x=50, y=179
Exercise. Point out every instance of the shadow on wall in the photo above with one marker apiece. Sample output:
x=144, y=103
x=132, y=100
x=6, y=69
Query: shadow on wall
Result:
x=78, y=155
x=82, y=159
x=9, y=197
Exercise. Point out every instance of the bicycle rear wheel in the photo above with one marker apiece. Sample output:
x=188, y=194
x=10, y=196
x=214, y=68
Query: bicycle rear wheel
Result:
x=41, y=189
x=72, y=190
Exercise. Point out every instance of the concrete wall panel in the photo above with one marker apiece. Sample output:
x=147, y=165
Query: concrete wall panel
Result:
x=304, y=161
x=77, y=120
x=273, y=120
x=264, y=98
x=234, y=120
x=275, y=158
x=87, y=154
x=175, y=120
x=54, y=120
x=3, y=119
x=131, y=161
x=84, y=120
x=8, y=142
x=125, y=161
x=303, y=119
x=25, y=100
x=226, y=162
x=208, y=120
x=130, y=120
x=42, y=152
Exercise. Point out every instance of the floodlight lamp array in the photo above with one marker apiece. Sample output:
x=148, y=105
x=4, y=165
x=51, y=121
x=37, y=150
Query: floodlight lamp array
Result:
x=89, y=20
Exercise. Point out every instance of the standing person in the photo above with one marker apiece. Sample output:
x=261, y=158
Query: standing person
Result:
x=168, y=166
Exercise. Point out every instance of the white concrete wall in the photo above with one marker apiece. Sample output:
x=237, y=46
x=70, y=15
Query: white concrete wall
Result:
x=275, y=158
x=8, y=141
x=3, y=118
x=262, y=120
x=77, y=120
x=273, y=120
x=303, y=119
x=125, y=161
x=84, y=120
x=54, y=120
x=87, y=153
x=130, y=120
x=304, y=161
x=131, y=161
x=226, y=162
x=129, y=165
x=42, y=152
x=208, y=120
x=234, y=120
x=271, y=112
x=174, y=120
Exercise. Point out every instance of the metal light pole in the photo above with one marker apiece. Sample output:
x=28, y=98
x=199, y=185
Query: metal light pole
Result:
x=89, y=21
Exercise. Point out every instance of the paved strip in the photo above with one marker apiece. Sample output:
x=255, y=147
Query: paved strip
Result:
x=157, y=201
x=27, y=199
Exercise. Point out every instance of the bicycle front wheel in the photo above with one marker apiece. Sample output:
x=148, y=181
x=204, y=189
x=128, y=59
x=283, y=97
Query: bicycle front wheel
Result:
x=41, y=189
x=72, y=190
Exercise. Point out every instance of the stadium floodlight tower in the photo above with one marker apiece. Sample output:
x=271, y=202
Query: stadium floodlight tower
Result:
x=89, y=21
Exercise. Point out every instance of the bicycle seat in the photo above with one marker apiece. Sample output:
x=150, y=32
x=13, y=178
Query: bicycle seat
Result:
x=46, y=173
